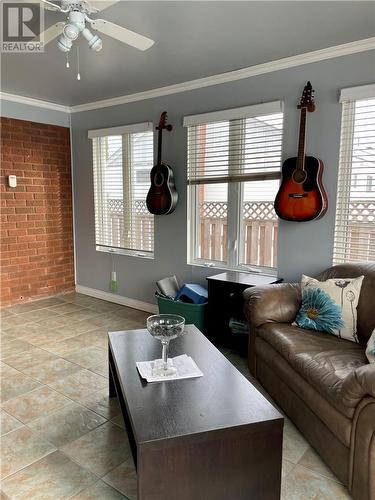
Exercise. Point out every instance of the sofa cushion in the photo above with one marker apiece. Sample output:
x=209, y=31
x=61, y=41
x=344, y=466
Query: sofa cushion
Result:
x=279, y=378
x=322, y=360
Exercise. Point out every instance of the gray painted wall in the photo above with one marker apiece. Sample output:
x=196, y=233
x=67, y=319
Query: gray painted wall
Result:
x=33, y=113
x=303, y=247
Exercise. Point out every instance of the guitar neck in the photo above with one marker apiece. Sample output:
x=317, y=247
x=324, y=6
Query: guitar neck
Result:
x=160, y=132
x=302, y=140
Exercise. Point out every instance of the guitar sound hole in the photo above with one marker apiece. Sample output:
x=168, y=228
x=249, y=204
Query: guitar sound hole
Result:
x=299, y=176
x=159, y=179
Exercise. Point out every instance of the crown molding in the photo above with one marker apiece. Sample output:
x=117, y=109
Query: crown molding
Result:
x=30, y=101
x=344, y=49
x=231, y=76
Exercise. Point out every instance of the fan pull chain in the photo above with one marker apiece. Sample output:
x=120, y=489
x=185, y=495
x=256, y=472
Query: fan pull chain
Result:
x=78, y=73
x=67, y=61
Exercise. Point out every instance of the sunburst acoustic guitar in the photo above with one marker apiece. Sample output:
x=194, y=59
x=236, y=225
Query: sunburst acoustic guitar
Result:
x=301, y=196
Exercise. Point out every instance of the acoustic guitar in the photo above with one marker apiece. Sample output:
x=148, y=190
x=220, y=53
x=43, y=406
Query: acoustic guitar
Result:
x=162, y=196
x=301, y=196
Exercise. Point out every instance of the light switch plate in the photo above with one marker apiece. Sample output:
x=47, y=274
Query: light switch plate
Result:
x=12, y=181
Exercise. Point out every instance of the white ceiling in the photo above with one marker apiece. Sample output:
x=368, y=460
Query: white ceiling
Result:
x=193, y=39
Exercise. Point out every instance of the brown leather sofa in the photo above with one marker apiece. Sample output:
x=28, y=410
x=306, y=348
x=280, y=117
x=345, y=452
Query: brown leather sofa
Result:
x=323, y=383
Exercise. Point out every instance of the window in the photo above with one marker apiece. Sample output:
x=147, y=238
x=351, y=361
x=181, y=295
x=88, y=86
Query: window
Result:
x=233, y=170
x=355, y=210
x=121, y=155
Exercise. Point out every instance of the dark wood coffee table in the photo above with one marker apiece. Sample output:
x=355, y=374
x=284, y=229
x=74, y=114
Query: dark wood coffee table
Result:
x=208, y=438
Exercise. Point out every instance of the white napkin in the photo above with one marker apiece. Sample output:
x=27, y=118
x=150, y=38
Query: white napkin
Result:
x=186, y=368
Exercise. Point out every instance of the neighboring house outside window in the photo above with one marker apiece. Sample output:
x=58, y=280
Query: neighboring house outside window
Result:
x=234, y=160
x=355, y=207
x=121, y=156
x=369, y=184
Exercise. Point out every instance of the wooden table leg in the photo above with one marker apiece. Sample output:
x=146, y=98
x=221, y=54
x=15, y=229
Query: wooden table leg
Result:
x=112, y=387
x=115, y=391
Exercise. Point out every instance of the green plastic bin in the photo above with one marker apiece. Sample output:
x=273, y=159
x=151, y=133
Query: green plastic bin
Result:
x=194, y=314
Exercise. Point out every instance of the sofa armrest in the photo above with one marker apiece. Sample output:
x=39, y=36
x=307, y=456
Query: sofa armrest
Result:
x=362, y=451
x=358, y=385
x=277, y=303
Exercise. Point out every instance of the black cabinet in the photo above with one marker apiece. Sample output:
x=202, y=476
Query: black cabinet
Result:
x=226, y=322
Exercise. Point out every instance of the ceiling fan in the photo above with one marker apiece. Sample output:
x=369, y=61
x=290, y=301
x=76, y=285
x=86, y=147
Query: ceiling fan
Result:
x=78, y=12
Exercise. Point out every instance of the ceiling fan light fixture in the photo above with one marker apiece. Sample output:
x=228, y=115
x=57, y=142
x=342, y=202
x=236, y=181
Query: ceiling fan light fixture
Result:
x=71, y=31
x=64, y=44
x=94, y=41
x=96, y=44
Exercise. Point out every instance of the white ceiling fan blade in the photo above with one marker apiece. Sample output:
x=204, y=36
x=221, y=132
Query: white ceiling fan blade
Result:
x=100, y=5
x=46, y=4
x=124, y=35
x=52, y=32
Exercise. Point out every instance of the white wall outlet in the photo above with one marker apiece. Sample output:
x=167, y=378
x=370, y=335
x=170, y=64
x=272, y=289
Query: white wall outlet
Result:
x=12, y=181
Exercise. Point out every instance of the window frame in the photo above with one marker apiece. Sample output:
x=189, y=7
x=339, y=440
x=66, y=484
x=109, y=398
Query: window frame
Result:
x=348, y=98
x=125, y=133
x=235, y=253
x=234, y=199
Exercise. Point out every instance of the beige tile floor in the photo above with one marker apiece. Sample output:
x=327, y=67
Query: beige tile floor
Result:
x=61, y=435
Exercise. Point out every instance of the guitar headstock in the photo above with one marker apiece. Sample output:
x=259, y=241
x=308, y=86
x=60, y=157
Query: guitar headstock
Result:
x=163, y=122
x=307, y=98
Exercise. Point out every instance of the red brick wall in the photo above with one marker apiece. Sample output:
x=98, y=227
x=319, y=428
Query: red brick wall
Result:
x=36, y=216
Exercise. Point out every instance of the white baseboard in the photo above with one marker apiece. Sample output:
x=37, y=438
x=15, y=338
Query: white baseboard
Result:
x=117, y=299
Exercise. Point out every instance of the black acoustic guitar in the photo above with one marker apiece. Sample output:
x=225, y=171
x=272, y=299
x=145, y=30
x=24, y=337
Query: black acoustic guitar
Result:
x=301, y=196
x=162, y=196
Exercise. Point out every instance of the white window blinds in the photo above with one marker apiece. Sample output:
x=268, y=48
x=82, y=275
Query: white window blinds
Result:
x=122, y=160
x=355, y=210
x=226, y=149
x=234, y=160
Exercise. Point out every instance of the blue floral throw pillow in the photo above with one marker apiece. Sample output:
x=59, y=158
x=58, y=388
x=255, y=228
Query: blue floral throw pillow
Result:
x=319, y=312
x=330, y=306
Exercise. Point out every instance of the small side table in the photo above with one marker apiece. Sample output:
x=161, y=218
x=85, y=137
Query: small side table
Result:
x=225, y=306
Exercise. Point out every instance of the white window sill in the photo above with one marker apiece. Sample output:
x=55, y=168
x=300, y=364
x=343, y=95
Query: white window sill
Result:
x=220, y=266
x=124, y=251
